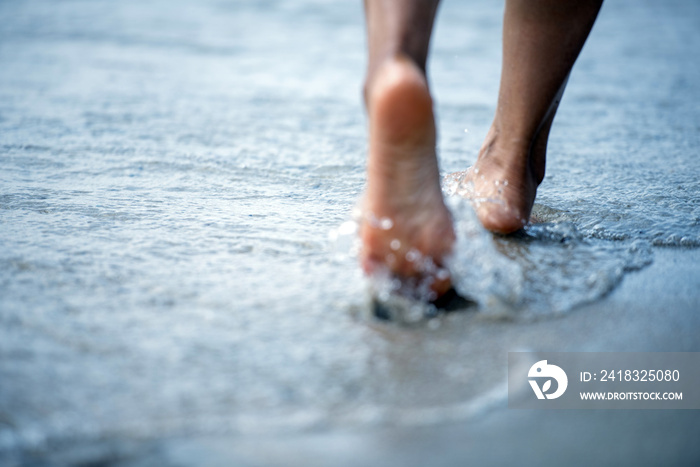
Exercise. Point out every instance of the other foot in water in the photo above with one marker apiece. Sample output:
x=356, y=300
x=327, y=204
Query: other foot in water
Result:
x=501, y=185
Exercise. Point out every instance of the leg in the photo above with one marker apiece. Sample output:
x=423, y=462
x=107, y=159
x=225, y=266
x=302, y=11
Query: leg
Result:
x=541, y=41
x=403, y=185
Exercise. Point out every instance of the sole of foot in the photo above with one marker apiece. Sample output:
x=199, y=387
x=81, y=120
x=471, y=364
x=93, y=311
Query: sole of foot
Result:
x=405, y=228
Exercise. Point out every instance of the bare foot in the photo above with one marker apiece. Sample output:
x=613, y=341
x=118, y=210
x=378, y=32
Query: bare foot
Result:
x=503, y=182
x=406, y=226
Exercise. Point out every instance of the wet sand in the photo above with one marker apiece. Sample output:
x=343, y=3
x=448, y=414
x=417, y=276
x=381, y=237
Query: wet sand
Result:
x=664, y=294
x=654, y=310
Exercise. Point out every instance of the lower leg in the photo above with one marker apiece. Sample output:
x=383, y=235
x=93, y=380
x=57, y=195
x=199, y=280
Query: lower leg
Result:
x=541, y=41
x=403, y=183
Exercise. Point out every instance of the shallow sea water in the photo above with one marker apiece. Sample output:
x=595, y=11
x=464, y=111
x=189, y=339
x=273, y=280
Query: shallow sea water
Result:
x=170, y=173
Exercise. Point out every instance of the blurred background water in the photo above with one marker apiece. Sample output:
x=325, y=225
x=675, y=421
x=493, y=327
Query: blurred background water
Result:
x=170, y=172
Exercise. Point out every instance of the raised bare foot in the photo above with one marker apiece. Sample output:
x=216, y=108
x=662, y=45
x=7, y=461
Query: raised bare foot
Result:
x=405, y=226
x=503, y=182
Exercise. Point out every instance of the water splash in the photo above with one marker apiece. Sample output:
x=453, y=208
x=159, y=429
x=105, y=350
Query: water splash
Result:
x=548, y=268
x=479, y=271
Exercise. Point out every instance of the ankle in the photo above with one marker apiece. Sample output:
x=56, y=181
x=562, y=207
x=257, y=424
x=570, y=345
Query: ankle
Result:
x=511, y=152
x=503, y=150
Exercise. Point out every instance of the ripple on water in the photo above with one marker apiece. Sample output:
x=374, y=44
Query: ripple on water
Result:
x=547, y=269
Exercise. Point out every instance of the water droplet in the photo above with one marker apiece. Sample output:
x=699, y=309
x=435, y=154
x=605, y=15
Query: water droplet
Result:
x=385, y=223
x=412, y=255
x=347, y=228
x=414, y=313
x=442, y=274
x=395, y=244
